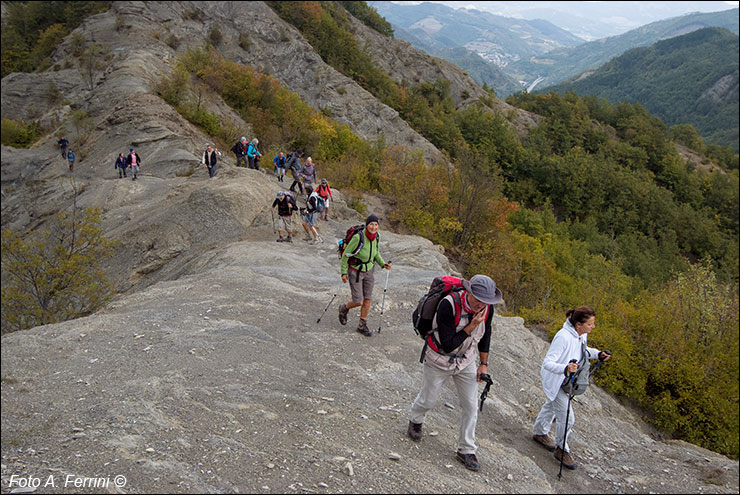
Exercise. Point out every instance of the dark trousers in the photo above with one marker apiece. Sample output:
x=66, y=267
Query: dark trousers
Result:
x=300, y=186
x=253, y=163
x=121, y=172
x=211, y=171
x=241, y=158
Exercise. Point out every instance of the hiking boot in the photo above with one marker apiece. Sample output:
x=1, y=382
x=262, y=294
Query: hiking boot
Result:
x=545, y=441
x=362, y=328
x=307, y=238
x=414, y=431
x=469, y=460
x=343, y=311
x=280, y=239
x=289, y=239
x=567, y=459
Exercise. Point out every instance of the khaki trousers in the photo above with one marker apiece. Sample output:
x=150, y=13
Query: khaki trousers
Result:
x=466, y=384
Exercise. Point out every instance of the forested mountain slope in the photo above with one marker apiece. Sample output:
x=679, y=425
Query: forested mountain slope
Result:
x=689, y=79
x=563, y=63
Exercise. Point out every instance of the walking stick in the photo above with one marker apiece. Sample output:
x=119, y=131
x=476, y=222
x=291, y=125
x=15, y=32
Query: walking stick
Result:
x=272, y=212
x=601, y=360
x=382, y=306
x=571, y=379
x=336, y=291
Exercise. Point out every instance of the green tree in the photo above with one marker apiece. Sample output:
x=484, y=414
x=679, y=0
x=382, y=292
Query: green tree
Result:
x=92, y=62
x=54, y=275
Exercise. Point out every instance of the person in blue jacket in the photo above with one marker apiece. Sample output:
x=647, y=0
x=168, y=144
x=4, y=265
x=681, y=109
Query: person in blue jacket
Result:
x=71, y=157
x=121, y=165
x=253, y=155
x=279, y=162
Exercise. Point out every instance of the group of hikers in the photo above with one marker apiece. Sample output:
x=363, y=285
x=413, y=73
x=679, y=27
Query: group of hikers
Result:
x=454, y=318
x=68, y=154
x=130, y=162
x=460, y=324
x=317, y=203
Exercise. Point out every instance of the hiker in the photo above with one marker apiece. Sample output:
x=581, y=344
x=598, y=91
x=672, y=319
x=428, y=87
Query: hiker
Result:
x=286, y=206
x=253, y=155
x=240, y=150
x=308, y=174
x=450, y=352
x=133, y=161
x=293, y=162
x=570, y=343
x=279, y=162
x=309, y=216
x=209, y=159
x=120, y=165
x=63, y=145
x=325, y=192
x=359, y=269
x=71, y=157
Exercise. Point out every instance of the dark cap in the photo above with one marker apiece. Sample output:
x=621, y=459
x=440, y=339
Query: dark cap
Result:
x=372, y=218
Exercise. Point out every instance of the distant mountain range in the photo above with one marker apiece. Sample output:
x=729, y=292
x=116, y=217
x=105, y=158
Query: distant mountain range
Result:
x=593, y=20
x=511, y=55
x=563, y=63
x=689, y=79
x=496, y=40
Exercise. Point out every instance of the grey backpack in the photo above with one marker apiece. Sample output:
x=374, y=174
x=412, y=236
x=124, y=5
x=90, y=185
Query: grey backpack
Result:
x=579, y=383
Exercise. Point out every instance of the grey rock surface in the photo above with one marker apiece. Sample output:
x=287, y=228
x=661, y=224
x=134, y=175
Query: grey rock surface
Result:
x=199, y=383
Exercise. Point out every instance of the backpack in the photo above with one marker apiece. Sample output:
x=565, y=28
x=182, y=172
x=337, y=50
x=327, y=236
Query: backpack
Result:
x=320, y=204
x=343, y=243
x=423, y=315
x=291, y=161
x=580, y=383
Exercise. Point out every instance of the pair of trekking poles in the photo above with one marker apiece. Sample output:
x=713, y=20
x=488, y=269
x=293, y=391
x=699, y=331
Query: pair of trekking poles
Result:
x=382, y=305
x=571, y=379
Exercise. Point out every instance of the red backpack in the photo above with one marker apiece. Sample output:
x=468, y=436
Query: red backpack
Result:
x=423, y=315
x=351, y=232
x=426, y=309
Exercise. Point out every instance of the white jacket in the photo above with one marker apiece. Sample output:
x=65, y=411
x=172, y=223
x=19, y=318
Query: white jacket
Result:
x=566, y=345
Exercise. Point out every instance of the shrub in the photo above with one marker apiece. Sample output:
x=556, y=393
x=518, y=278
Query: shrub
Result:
x=54, y=275
x=173, y=41
x=20, y=134
x=244, y=42
x=192, y=14
x=215, y=35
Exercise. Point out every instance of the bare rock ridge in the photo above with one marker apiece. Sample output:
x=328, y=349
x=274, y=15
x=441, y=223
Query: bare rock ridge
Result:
x=208, y=372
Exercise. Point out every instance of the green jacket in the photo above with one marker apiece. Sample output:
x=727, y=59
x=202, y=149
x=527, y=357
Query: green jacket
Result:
x=368, y=255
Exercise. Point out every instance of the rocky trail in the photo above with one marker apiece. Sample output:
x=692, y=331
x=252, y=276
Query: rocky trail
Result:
x=220, y=380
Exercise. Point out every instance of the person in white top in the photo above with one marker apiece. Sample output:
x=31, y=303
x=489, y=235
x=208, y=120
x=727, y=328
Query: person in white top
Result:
x=567, y=345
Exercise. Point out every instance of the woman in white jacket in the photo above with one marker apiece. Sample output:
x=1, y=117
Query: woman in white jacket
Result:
x=566, y=346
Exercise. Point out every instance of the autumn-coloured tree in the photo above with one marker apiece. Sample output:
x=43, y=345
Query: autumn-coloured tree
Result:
x=54, y=275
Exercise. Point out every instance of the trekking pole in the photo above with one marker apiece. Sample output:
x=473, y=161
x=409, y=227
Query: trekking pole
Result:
x=336, y=291
x=382, y=306
x=571, y=379
x=272, y=212
x=601, y=360
x=486, y=378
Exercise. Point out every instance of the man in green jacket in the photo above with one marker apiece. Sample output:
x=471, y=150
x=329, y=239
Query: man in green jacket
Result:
x=359, y=270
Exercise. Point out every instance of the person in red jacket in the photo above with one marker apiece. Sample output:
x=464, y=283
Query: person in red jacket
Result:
x=325, y=192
